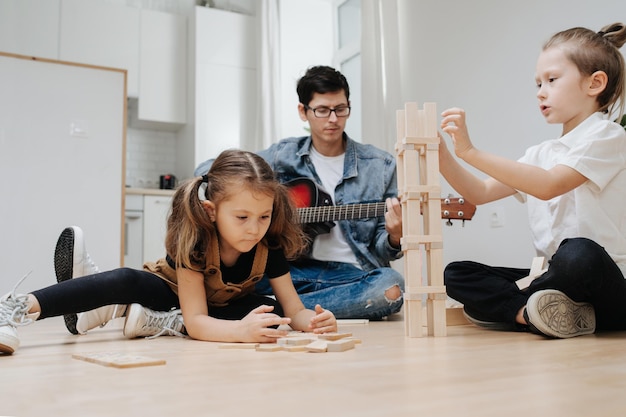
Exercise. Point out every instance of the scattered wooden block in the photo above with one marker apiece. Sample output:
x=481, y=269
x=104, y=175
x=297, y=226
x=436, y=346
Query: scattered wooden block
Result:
x=295, y=341
x=118, y=359
x=340, y=345
x=333, y=336
x=238, y=345
x=295, y=348
x=269, y=347
x=317, y=346
x=352, y=321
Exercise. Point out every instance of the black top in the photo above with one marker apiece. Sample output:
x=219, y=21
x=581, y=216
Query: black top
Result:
x=276, y=266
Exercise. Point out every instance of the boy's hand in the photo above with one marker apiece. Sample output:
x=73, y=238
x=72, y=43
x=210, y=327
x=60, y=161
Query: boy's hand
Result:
x=453, y=123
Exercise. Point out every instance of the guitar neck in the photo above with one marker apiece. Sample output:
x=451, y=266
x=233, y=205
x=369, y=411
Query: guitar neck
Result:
x=321, y=214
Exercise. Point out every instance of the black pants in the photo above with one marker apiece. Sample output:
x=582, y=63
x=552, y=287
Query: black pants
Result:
x=127, y=286
x=580, y=268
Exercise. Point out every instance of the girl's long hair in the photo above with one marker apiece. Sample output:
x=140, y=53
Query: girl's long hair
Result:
x=189, y=228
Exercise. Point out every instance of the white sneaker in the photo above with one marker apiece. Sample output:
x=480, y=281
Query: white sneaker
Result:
x=71, y=260
x=141, y=321
x=13, y=312
x=98, y=317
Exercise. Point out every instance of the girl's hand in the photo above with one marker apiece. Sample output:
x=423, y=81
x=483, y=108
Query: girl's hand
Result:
x=324, y=321
x=453, y=123
x=256, y=325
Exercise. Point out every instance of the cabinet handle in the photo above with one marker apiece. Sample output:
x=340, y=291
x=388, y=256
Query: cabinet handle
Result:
x=133, y=216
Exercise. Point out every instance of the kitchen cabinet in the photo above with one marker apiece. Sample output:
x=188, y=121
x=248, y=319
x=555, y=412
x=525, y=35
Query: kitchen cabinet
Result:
x=162, y=67
x=30, y=27
x=155, y=211
x=150, y=45
x=103, y=34
x=133, y=231
x=145, y=225
x=226, y=81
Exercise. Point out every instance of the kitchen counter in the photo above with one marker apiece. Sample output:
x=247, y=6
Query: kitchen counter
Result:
x=149, y=191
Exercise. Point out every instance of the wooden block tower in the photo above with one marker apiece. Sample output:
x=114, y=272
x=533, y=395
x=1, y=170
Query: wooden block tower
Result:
x=417, y=151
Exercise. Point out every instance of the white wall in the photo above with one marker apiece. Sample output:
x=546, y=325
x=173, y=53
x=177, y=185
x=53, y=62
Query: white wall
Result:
x=306, y=36
x=481, y=55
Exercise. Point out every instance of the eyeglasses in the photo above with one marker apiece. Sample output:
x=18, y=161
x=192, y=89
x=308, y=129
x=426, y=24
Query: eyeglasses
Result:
x=323, y=112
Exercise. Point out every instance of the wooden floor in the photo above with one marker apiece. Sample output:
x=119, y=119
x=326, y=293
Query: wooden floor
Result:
x=471, y=372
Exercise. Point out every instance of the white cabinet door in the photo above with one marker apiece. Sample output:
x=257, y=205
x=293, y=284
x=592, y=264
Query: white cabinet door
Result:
x=155, y=211
x=103, y=34
x=163, y=67
x=226, y=85
x=30, y=27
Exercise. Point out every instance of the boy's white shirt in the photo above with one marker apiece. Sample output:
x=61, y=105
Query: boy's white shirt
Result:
x=597, y=149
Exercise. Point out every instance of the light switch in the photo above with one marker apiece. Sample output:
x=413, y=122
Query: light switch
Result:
x=79, y=128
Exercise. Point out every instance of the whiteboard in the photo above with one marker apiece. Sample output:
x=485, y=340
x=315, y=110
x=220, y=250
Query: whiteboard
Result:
x=62, y=153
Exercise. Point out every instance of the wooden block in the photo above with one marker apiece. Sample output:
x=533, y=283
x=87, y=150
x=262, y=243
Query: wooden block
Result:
x=298, y=340
x=238, y=345
x=295, y=348
x=436, y=317
x=536, y=269
x=411, y=291
x=455, y=316
x=269, y=347
x=351, y=321
x=413, y=318
x=333, y=336
x=340, y=345
x=118, y=359
x=317, y=346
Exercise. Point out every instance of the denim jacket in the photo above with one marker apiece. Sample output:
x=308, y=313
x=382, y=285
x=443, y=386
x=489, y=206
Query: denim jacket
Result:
x=369, y=176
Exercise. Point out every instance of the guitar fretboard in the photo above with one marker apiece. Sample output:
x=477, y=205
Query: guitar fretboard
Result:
x=320, y=214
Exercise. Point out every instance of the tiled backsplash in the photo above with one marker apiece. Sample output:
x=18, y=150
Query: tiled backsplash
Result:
x=149, y=154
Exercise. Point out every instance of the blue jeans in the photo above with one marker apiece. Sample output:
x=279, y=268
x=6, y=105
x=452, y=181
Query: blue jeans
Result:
x=344, y=289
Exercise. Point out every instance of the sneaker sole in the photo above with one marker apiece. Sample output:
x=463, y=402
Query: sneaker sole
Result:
x=555, y=315
x=490, y=325
x=133, y=313
x=8, y=346
x=63, y=267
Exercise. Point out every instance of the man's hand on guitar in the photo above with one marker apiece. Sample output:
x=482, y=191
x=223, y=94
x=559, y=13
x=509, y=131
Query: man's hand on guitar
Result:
x=393, y=221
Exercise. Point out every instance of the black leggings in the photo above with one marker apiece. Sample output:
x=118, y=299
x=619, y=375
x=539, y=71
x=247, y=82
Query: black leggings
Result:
x=580, y=268
x=127, y=286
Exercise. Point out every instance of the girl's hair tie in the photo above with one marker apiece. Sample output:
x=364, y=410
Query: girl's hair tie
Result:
x=202, y=188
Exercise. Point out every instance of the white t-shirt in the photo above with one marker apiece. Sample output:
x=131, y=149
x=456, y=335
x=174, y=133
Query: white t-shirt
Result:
x=596, y=210
x=331, y=246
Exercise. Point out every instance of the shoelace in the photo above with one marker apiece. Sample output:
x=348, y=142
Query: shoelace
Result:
x=167, y=322
x=14, y=308
x=92, y=264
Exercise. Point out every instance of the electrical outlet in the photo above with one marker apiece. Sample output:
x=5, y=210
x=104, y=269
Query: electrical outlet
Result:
x=79, y=128
x=496, y=217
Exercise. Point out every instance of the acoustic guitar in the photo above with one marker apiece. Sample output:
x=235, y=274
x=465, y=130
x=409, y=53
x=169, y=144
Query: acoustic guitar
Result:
x=317, y=211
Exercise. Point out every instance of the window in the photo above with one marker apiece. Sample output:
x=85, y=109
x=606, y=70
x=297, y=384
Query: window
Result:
x=347, y=57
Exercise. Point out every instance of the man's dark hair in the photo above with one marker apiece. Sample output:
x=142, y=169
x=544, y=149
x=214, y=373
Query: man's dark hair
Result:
x=321, y=79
